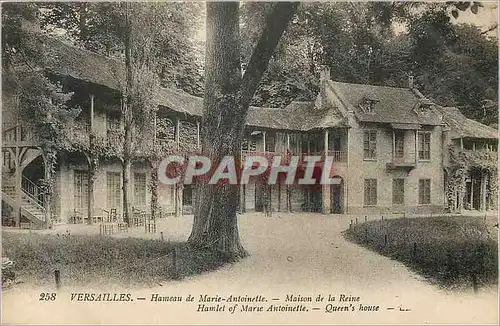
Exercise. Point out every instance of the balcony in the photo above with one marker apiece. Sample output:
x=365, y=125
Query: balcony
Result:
x=19, y=136
x=404, y=162
x=338, y=156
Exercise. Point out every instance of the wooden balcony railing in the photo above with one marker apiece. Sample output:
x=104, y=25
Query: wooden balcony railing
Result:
x=18, y=134
x=338, y=156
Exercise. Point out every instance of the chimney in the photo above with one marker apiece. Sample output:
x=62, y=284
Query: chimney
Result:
x=410, y=81
x=324, y=74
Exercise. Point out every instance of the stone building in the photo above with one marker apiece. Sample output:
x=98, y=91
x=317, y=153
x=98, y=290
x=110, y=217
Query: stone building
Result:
x=390, y=147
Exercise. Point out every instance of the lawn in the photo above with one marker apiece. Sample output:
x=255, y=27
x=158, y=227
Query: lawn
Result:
x=455, y=253
x=84, y=259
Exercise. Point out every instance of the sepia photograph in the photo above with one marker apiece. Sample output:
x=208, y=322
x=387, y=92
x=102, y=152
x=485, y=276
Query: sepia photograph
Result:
x=249, y=162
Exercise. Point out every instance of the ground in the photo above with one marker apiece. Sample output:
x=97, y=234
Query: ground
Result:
x=301, y=254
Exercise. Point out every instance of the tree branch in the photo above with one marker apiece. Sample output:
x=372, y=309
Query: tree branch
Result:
x=276, y=23
x=495, y=26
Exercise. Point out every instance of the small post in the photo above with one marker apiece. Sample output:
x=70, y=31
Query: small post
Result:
x=366, y=234
x=174, y=263
x=385, y=240
x=57, y=276
x=356, y=221
x=366, y=219
x=474, y=282
x=414, y=250
x=382, y=217
x=161, y=234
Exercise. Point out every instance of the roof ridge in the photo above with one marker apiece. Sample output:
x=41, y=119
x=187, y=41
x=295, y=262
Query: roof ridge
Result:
x=359, y=84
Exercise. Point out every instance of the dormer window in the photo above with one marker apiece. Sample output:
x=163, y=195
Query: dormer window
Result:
x=368, y=103
x=369, y=106
x=423, y=108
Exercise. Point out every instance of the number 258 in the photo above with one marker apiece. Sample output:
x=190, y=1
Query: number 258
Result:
x=47, y=296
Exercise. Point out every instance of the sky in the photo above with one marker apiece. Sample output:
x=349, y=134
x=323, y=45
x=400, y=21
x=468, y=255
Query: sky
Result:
x=485, y=17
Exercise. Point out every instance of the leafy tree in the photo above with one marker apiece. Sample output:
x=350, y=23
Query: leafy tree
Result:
x=153, y=39
x=227, y=98
x=453, y=64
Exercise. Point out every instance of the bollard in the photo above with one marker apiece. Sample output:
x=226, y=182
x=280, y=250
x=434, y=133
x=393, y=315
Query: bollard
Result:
x=57, y=276
x=161, y=234
x=174, y=264
x=382, y=217
x=474, y=282
x=356, y=221
x=366, y=219
x=385, y=240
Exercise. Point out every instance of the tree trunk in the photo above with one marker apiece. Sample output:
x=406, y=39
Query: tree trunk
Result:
x=126, y=166
x=154, y=192
x=127, y=118
x=90, y=188
x=226, y=101
x=215, y=223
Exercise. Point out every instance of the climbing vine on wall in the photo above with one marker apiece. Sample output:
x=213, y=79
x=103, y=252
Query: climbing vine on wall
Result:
x=461, y=163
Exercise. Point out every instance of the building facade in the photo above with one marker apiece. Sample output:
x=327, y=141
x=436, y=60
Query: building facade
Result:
x=392, y=150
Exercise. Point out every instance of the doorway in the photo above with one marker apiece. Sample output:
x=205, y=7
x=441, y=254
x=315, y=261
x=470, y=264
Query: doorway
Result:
x=337, y=197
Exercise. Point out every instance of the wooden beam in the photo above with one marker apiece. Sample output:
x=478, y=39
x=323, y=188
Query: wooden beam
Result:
x=264, y=140
x=326, y=142
x=91, y=113
x=393, y=144
x=288, y=142
x=17, y=180
x=416, y=146
x=177, y=135
x=198, y=135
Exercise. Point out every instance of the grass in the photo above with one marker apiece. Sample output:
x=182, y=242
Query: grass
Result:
x=456, y=253
x=84, y=259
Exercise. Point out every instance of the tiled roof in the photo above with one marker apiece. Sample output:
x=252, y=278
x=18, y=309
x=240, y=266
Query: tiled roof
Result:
x=394, y=105
x=67, y=60
x=460, y=126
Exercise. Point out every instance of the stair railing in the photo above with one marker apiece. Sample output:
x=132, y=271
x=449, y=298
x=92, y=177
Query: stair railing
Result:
x=33, y=191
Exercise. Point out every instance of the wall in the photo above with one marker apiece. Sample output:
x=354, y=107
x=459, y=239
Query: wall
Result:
x=63, y=200
x=377, y=169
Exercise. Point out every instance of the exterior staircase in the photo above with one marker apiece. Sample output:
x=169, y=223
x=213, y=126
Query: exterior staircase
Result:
x=32, y=206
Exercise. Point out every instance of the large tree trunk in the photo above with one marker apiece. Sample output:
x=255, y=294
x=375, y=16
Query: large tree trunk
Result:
x=215, y=223
x=127, y=117
x=226, y=102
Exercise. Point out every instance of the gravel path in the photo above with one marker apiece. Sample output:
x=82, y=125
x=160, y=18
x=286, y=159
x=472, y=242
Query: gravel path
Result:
x=291, y=254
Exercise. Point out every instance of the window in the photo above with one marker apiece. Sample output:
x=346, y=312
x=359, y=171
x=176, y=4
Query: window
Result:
x=81, y=182
x=398, y=191
x=370, y=192
x=399, y=144
x=335, y=143
x=140, y=189
x=249, y=145
x=113, y=184
x=368, y=105
x=424, y=146
x=187, y=195
x=270, y=142
x=370, y=144
x=424, y=191
x=165, y=129
x=113, y=122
